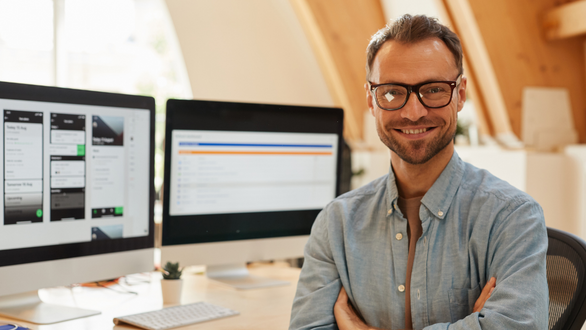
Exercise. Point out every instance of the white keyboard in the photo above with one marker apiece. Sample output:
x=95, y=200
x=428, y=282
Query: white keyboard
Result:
x=177, y=316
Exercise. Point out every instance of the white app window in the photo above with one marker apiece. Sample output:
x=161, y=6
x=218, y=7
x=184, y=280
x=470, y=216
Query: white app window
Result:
x=226, y=172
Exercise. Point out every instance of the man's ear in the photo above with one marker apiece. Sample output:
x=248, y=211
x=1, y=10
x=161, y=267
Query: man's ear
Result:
x=462, y=93
x=369, y=99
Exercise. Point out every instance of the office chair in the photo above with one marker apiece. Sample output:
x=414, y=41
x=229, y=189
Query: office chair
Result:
x=566, y=270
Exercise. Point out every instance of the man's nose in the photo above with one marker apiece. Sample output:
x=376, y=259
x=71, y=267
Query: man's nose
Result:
x=413, y=109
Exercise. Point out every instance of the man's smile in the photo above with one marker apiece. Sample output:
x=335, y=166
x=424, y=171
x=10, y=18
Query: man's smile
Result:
x=415, y=132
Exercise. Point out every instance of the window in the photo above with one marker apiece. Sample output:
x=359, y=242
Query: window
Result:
x=123, y=46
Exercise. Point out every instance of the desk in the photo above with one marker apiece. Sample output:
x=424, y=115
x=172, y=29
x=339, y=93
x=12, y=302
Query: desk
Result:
x=267, y=308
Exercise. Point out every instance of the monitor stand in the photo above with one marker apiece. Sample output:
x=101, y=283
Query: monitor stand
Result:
x=237, y=276
x=29, y=307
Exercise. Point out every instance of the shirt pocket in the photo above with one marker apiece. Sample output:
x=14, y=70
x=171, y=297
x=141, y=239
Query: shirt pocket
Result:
x=462, y=302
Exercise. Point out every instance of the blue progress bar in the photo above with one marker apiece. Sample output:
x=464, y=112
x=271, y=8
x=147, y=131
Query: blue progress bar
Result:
x=255, y=145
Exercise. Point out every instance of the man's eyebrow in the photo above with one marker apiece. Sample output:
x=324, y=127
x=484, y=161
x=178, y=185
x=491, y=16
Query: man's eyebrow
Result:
x=418, y=83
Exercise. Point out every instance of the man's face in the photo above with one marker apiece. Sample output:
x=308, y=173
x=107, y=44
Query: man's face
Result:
x=416, y=133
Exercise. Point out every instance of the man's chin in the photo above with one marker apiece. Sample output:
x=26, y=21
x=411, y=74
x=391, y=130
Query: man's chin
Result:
x=415, y=153
x=415, y=158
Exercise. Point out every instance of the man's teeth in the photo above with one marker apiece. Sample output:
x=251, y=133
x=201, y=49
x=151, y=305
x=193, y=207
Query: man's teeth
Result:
x=414, y=131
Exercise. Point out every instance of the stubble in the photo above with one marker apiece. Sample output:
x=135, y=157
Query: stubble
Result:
x=419, y=151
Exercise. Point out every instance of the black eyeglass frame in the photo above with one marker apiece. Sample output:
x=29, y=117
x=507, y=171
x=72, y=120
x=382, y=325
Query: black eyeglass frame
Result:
x=415, y=88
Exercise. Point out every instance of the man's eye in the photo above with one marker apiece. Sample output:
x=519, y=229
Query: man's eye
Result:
x=434, y=90
x=394, y=92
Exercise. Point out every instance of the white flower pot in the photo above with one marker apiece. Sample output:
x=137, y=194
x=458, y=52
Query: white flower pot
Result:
x=171, y=290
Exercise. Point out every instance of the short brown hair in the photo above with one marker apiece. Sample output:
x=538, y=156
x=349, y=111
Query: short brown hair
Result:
x=411, y=29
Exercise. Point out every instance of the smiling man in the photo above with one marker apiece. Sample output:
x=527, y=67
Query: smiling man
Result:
x=436, y=243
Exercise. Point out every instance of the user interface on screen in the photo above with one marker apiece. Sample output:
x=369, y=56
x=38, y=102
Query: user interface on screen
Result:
x=73, y=173
x=215, y=172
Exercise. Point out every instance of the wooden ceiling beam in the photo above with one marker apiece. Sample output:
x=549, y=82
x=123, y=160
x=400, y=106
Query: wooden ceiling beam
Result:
x=485, y=126
x=565, y=21
x=339, y=31
x=481, y=70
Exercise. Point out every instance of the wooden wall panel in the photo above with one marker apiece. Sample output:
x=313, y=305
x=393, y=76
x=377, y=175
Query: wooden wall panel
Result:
x=339, y=31
x=521, y=56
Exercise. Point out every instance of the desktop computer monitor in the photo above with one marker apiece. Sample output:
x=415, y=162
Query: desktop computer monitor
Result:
x=245, y=182
x=78, y=193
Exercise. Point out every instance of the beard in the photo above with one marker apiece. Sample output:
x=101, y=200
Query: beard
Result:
x=417, y=152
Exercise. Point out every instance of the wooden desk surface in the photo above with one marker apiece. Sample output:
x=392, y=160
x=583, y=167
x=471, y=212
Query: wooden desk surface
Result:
x=267, y=308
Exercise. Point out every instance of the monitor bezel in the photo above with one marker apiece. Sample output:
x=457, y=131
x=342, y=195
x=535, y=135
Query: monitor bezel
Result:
x=177, y=108
x=26, y=92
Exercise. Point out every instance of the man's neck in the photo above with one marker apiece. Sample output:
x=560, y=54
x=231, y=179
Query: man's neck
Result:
x=415, y=180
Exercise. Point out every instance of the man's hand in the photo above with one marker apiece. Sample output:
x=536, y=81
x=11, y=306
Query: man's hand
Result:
x=484, y=295
x=346, y=316
x=347, y=319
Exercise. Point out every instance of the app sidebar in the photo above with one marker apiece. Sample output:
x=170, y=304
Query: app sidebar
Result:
x=23, y=167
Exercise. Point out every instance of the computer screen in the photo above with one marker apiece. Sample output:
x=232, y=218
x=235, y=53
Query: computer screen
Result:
x=78, y=189
x=238, y=176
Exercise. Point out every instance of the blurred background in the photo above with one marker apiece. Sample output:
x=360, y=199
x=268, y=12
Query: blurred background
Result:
x=524, y=119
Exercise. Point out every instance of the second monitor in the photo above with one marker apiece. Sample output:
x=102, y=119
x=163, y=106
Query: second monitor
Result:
x=245, y=182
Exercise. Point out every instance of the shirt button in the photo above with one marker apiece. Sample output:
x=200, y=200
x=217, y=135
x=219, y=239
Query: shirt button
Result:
x=390, y=212
x=395, y=206
x=440, y=213
x=399, y=236
x=401, y=288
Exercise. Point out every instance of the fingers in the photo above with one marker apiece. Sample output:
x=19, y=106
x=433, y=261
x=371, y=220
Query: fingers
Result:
x=488, y=287
x=345, y=315
x=484, y=295
x=342, y=296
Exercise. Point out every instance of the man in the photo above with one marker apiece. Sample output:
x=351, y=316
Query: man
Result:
x=436, y=243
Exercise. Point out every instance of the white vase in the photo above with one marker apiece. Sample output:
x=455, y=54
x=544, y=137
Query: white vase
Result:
x=171, y=290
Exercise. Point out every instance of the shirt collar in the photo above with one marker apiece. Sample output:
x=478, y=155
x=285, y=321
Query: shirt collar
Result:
x=439, y=197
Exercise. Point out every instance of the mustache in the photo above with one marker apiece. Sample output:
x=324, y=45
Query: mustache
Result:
x=421, y=122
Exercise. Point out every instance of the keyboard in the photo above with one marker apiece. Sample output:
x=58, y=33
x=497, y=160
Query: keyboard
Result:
x=176, y=316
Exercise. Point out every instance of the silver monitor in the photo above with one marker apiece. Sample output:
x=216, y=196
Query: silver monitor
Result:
x=244, y=182
x=78, y=193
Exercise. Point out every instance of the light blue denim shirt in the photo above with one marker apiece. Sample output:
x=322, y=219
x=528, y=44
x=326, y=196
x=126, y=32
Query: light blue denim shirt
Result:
x=475, y=226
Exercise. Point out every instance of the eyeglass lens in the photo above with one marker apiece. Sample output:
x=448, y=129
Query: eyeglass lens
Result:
x=437, y=94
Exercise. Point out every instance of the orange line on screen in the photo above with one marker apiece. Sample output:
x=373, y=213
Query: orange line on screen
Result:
x=193, y=152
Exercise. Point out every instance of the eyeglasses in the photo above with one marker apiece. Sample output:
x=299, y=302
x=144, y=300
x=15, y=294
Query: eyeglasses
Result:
x=435, y=94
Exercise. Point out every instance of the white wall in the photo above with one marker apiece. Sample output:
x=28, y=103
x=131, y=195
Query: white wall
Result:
x=557, y=181
x=249, y=51
x=396, y=8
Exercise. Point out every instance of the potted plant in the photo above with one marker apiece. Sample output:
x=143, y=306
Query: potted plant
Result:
x=172, y=283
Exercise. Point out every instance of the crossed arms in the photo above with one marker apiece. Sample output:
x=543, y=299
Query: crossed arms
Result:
x=515, y=255
x=348, y=319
